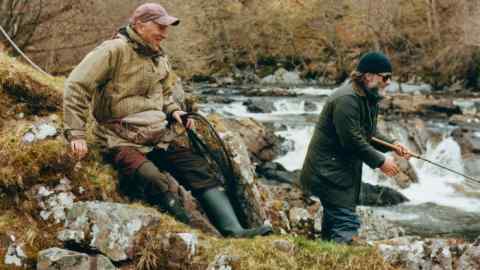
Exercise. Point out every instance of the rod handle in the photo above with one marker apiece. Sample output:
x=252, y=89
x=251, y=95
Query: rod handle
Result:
x=392, y=146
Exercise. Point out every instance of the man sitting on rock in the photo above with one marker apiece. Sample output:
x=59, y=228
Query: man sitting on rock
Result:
x=342, y=142
x=123, y=80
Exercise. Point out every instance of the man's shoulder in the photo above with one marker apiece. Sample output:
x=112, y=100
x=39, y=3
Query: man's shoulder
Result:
x=114, y=45
x=343, y=93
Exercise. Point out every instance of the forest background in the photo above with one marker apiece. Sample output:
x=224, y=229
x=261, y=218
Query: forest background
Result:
x=433, y=41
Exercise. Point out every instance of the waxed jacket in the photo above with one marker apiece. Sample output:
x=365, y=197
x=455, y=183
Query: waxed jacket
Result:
x=121, y=77
x=340, y=145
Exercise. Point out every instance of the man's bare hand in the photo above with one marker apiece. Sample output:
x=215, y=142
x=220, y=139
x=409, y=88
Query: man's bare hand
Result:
x=177, y=115
x=389, y=167
x=403, y=151
x=79, y=148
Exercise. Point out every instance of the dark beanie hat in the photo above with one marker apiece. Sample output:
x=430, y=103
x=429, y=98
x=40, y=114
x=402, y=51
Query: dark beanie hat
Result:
x=374, y=62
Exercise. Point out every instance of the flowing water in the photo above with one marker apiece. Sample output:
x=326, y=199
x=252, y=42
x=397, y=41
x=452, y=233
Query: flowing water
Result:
x=436, y=207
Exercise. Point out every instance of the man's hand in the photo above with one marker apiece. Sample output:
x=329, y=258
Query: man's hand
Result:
x=403, y=151
x=79, y=148
x=177, y=115
x=389, y=167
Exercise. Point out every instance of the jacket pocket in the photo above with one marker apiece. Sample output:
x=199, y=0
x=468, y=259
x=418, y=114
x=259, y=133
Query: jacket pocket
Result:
x=337, y=172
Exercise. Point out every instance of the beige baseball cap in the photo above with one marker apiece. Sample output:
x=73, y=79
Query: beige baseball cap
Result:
x=153, y=12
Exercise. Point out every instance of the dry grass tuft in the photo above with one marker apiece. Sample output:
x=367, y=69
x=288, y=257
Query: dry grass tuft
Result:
x=40, y=93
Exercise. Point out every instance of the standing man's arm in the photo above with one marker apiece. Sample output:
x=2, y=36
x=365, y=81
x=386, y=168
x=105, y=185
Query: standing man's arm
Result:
x=346, y=118
x=94, y=70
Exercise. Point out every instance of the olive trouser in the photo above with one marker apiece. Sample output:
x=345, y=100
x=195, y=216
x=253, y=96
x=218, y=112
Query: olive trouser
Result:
x=339, y=224
x=190, y=170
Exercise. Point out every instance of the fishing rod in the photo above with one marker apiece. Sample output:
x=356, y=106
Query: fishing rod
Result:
x=396, y=148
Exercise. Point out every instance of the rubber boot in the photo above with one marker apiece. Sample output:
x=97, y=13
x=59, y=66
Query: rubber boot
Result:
x=160, y=195
x=221, y=213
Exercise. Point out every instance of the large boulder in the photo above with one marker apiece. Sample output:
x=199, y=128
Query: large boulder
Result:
x=425, y=105
x=111, y=228
x=282, y=76
x=275, y=171
x=242, y=188
x=261, y=142
x=259, y=106
x=61, y=259
x=376, y=195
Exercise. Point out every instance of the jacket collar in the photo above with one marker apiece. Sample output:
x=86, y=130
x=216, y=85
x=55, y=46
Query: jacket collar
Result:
x=138, y=44
x=370, y=94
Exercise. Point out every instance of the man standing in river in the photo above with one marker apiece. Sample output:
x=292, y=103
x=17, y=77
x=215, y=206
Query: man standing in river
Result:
x=342, y=142
x=125, y=82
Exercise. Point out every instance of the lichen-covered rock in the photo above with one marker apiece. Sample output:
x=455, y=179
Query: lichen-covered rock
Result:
x=54, y=202
x=225, y=262
x=245, y=192
x=438, y=251
x=110, y=228
x=432, y=254
x=40, y=131
x=15, y=254
x=375, y=227
x=299, y=216
x=61, y=259
x=404, y=251
x=470, y=259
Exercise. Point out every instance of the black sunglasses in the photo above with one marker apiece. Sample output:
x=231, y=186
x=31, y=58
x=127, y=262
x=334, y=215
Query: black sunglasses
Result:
x=385, y=76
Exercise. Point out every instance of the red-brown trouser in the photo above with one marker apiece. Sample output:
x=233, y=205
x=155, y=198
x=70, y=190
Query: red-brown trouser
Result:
x=190, y=169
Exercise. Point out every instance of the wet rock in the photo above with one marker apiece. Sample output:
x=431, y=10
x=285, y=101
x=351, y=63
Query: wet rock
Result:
x=282, y=76
x=221, y=99
x=376, y=195
x=225, y=262
x=407, y=174
x=270, y=92
x=259, y=106
x=310, y=106
x=409, y=88
x=276, y=171
x=284, y=246
x=464, y=120
x=468, y=106
x=110, y=228
x=468, y=139
x=418, y=104
x=61, y=259
x=375, y=227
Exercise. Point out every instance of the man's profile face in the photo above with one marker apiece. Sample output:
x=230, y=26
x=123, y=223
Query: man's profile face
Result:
x=152, y=33
x=377, y=81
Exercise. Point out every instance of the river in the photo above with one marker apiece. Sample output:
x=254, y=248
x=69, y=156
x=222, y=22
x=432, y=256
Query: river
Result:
x=436, y=207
